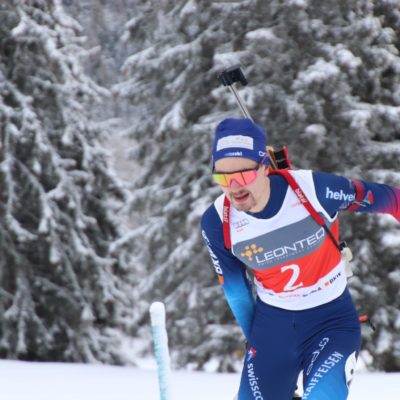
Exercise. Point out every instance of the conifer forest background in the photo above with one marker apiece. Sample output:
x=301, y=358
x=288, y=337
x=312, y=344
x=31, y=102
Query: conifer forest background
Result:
x=107, y=111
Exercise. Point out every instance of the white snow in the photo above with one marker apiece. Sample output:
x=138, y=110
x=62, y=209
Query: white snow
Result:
x=188, y=9
x=62, y=381
x=174, y=119
x=298, y=3
x=346, y=58
x=318, y=72
x=262, y=34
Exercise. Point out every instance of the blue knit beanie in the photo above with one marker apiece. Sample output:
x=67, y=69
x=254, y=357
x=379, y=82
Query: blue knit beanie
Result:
x=240, y=138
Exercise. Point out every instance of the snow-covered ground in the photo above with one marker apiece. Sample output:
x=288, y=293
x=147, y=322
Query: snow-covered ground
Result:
x=56, y=381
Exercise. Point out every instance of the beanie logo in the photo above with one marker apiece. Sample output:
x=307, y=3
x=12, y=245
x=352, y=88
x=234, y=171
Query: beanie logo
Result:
x=234, y=154
x=235, y=141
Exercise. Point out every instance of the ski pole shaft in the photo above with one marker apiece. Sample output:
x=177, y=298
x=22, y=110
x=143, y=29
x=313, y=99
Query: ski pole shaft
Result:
x=160, y=337
x=366, y=319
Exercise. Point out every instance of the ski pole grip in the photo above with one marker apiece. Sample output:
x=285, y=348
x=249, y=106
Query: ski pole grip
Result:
x=232, y=75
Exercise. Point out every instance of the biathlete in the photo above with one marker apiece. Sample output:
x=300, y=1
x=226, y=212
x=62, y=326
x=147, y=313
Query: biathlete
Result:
x=284, y=228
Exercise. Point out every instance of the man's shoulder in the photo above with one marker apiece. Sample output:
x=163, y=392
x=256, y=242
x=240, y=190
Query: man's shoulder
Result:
x=209, y=214
x=211, y=217
x=306, y=173
x=303, y=177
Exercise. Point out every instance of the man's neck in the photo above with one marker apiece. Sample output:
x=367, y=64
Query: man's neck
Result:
x=264, y=198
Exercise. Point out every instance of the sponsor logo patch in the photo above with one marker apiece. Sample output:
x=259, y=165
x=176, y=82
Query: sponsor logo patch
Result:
x=331, y=362
x=233, y=154
x=279, y=254
x=235, y=141
x=249, y=251
x=241, y=223
x=214, y=259
x=253, y=382
x=341, y=195
x=251, y=354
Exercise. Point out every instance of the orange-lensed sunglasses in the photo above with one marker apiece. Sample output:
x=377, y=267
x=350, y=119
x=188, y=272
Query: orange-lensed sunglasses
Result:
x=243, y=177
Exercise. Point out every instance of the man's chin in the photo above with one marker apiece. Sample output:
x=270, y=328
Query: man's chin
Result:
x=242, y=205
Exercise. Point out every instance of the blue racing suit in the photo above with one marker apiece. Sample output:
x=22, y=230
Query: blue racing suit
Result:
x=303, y=318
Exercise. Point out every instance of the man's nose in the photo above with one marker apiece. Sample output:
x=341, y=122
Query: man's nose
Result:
x=234, y=184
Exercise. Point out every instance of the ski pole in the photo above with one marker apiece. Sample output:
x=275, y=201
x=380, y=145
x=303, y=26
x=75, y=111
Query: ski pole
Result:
x=160, y=337
x=366, y=319
x=229, y=77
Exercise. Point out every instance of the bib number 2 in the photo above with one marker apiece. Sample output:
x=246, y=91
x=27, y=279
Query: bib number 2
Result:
x=295, y=275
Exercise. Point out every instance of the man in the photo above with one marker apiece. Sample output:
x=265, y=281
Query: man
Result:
x=303, y=318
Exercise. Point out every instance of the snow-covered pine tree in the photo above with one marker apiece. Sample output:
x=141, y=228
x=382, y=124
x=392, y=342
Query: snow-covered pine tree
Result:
x=169, y=83
x=61, y=294
x=102, y=23
x=324, y=81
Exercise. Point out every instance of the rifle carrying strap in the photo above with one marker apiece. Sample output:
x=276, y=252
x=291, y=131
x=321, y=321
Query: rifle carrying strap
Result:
x=306, y=203
x=226, y=210
x=301, y=196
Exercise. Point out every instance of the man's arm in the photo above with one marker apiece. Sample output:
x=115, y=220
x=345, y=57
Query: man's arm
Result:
x=337, y=193
x=231, y=271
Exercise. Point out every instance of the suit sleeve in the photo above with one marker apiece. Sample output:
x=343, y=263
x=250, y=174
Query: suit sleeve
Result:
x=336, y=193
x=231, y=272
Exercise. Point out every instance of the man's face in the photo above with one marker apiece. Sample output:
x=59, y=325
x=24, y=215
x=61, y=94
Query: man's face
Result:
x=251, y=197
